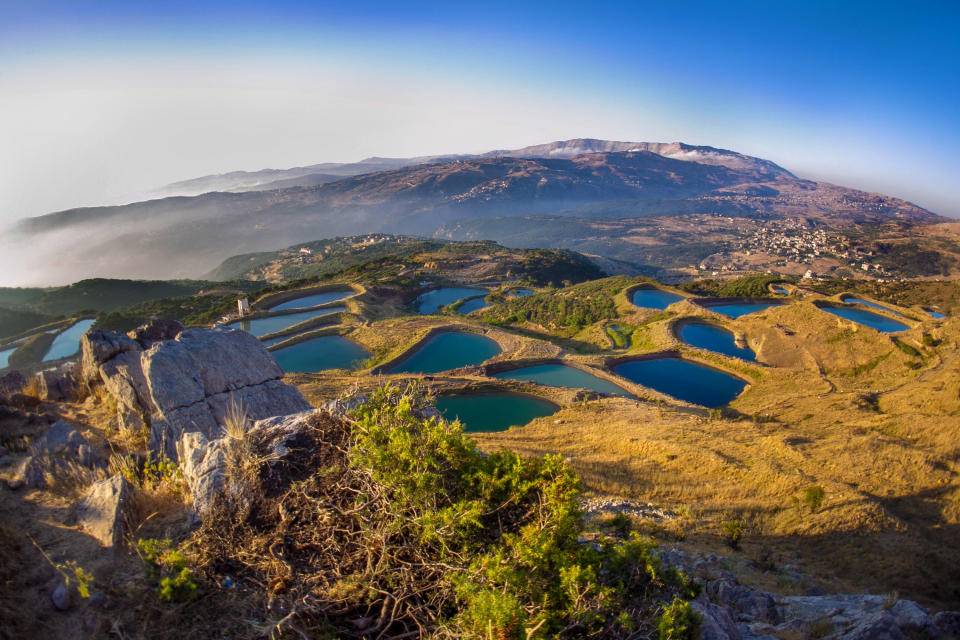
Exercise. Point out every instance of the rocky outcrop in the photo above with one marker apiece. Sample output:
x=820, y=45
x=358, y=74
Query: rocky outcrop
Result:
x=103, y=509
x=52, y=454
x=733, y=611
x=205, y=462
x=175, y=381
x=11, y=384
x=57, y=385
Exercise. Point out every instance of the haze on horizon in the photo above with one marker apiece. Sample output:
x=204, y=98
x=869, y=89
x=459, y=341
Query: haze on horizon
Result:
x=100, y=104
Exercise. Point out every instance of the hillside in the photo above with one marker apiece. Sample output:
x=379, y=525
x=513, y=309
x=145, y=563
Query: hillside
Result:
x=189, y=236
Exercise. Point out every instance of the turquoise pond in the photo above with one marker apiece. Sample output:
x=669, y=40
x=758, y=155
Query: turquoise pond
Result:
x=559, y=375
x=5, y=356
x=451, y=350
x=737, y=309
x=430, y=301
x=320, y=354
x=713, y=338
x=871, y=304
x=474, y=304
x=272, y=324
x=867, y=318
x=67, y=343
x=493, y=411
x=684, y=380
x=312, y=300
x=654, y=298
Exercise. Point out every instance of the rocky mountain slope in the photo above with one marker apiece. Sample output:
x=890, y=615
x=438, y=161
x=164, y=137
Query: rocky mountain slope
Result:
x=186, y=236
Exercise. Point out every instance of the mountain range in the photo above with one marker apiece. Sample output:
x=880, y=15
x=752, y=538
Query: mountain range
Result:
x=203, y=221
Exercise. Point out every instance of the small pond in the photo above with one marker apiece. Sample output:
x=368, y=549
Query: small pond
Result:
x=451, y=350
x=737, y=309
x=871, y=304
x=67, y=342
x=684, y=380
x=559, y=375
x=780, y=290
x=936, y=314
x=481, y=412
x=5, y=356
x=519, y=293
x=319, y=354
x=650, y=298
x=312, y=300
x=867, y=318
x=272, y=324
x=430, y=301
x=713, y=338
x=474, y=304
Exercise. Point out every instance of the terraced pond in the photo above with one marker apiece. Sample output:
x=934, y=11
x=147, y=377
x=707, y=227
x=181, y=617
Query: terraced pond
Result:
x=780, y=290
x=484, y=412
x=272, y=324
x=445, y=351
x=737, y=309
x=320, y=354
x=472, y=305
x=684, y=380
x=67, y=342
x=651, y=298
x=312, y=300
x=936, y=314
x=867, y=318
x=871, y=304
x=559, y=375
x=713, y=338
x=5, y=356
x=430, y=301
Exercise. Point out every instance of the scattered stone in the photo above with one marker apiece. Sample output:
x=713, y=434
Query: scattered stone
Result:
x=878, y=626
x=913, y=619
x=52, y=454
x=156, y=331
x=716, y=622
x=342, y=406
x=11, y=383
x=98, y=346
x=948, y=623
x=103, y=509
x=61, y=596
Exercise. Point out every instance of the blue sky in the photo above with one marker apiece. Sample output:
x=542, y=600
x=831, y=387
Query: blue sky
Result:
x=109, y=99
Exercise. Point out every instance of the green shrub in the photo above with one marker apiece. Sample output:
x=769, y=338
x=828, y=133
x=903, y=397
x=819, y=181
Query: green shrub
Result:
x=678, y=622
x=732, y=532
x=167, y=567
x=813, y=497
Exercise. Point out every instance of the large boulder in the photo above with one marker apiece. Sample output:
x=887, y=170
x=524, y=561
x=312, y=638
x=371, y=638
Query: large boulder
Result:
x=191, y=382
x=102, y=511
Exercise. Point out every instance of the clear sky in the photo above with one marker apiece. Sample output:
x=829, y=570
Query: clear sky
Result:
x=101, y=101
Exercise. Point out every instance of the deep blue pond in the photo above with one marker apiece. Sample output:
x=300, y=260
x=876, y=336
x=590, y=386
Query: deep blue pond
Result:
x=713, y=338
x=871, y=304
x=654, y=298
x=472, y=305
x=684, y=380
x=312, y=300
x=263, y=326
x=446, y=351
x=558, y=375
x=780, y=290
x=936, y=314
x=319, y=354
x=737, y=309
x=5, y=356
x=67, y=342
x=430, y=301
x=493, y=411
x=867, y=318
